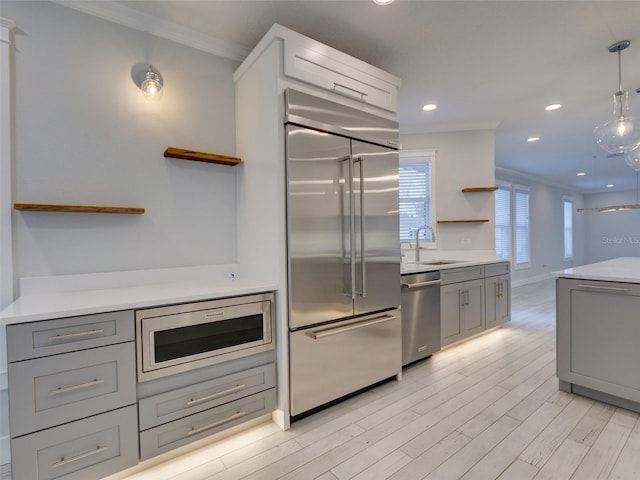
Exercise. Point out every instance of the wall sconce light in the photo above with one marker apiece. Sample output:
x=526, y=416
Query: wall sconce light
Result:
x=149, y=81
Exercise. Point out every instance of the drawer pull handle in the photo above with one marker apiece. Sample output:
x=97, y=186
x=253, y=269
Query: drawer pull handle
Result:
x=195, y=430
x=358, y=92
x=196, y=401
x=596, y=287
x=348, y=328
x=65, y=461
x=75, y=335
x=80, y=386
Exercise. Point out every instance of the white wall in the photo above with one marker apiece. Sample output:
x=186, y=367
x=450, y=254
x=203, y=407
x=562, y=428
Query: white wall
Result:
x=463, y=159
x=546, y=226
x=84, y=134
x=614, y=234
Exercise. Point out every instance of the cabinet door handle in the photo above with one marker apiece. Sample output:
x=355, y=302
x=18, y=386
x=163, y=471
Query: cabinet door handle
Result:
x=209, y=426
x=67, y=336
x=65, y=461
x=80, y=386
x=196, y=401
x=610, y=289
x=357, y=92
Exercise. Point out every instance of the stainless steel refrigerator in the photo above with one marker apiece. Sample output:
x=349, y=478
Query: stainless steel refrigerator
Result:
x=343, y=249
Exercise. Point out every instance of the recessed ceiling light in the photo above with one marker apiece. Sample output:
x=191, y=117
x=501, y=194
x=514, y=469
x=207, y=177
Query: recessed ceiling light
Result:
x=382, y=2
x=611, y=185
x=533, y=139
x=429, y=107
x=580, y=174
x=553, y=106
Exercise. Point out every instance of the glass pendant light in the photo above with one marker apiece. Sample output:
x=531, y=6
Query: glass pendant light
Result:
x=622, y=134
x=633, y=159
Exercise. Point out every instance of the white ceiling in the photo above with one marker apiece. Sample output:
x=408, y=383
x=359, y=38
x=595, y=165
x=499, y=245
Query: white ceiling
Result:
x=487, y=64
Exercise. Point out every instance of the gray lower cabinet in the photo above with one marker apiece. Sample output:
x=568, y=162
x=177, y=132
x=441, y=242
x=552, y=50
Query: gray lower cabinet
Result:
x=61, y=388
x=497, y=294
x=72, y=397
x=598, y=332
x=87, y=449
x=474, y=299
x=163, y=438
x=462, y=307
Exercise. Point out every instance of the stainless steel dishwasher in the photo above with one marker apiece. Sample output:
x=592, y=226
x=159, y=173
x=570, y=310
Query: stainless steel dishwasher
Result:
x=420, y=315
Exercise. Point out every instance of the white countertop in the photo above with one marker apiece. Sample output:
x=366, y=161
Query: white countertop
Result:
x=624, y=269
x=409, y=267
x=44, y=306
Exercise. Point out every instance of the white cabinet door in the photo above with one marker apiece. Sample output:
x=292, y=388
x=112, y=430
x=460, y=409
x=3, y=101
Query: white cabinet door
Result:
x=330, y=70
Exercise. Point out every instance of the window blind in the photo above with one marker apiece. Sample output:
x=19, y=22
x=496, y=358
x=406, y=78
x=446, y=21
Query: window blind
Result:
x=503, y=222
x=568, y=228
x=522, y=250
x=415, y=198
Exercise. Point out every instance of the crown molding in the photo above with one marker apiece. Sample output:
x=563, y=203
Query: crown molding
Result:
x=534, y=178
x=122, y=15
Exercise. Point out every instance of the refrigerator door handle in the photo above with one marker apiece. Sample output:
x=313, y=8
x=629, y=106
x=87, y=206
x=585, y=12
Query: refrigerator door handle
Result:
x=363, y=264
x=348, y=328
x=348, y=185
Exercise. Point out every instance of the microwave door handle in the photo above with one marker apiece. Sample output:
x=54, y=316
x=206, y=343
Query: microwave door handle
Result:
x=363, y=264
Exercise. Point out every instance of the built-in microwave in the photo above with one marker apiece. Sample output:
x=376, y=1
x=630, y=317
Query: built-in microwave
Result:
x=183, y=337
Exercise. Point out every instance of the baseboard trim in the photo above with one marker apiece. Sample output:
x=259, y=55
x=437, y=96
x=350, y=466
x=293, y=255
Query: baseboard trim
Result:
x=5, y=455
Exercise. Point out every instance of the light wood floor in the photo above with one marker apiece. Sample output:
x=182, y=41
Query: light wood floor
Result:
x=486, y=409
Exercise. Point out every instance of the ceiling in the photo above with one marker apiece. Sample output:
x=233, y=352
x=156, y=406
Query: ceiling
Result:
x=487, y=64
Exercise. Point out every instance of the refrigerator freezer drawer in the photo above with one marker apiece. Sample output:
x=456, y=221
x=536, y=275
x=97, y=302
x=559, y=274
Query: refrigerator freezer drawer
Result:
x=334, y=360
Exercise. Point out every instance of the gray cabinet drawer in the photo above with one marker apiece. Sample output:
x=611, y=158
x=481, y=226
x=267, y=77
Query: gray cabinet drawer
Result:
x=48, y=391
x=494, y=269
x=176, y=404
x=84, y=450
x=454, y=275
x=171, y=435
x=50, y=337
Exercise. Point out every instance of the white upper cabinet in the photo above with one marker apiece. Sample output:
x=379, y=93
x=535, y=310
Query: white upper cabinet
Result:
x=318, y=65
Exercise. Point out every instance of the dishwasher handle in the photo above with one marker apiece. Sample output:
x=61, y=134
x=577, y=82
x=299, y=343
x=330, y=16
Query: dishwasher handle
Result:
x=422, y=284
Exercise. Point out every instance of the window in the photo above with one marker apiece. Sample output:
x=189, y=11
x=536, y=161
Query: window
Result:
x=503, y=222
x=522, y=225
x=416, y=194
x=512, y=223
x=568, y=228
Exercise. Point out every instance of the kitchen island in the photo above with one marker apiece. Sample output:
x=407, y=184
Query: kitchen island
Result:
x=598, y=331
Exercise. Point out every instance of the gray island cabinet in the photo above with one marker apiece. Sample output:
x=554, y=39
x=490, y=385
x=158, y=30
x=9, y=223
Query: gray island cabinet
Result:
x=598, y=331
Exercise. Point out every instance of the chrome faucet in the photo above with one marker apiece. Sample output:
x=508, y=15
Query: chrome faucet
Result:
x=433, y=237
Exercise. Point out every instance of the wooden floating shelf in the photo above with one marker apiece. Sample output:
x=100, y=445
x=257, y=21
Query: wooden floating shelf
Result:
x=481, y=220
x=200, y=156
x=479, y=189
x=42, y=207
